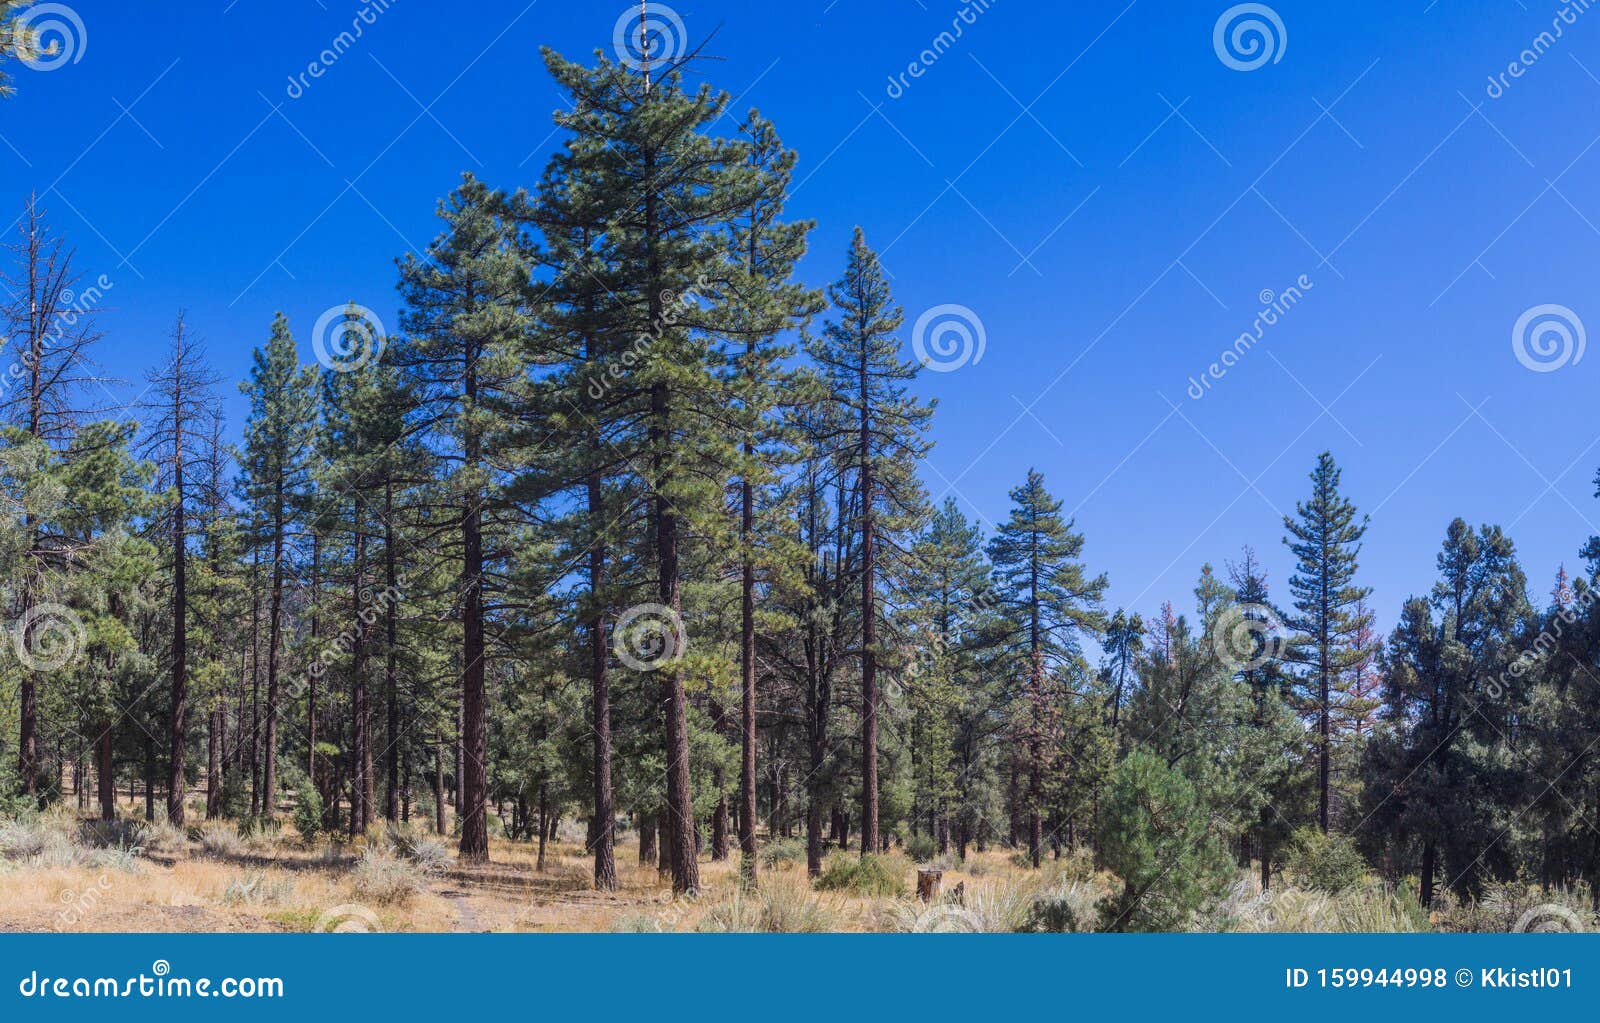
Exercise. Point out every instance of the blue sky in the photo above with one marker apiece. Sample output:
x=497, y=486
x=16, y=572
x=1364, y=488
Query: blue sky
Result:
x=1091, y=179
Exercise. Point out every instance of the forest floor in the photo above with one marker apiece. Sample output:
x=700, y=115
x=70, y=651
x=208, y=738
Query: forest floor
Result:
x=282, y=884
x=60, y=873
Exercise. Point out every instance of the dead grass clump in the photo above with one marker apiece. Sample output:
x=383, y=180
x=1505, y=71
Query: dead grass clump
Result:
x=778, y=906
x=256, y=889
x=386, y=879
x=221, y=839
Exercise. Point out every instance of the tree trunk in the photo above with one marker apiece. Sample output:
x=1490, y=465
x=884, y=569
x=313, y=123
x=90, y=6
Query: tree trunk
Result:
x=544, y=810
x=248, y=757
x=869, y=641
x=215, y=726
x=663, y=844
x=391, y=674
x=315, y=669
x=177, y=785
x=474, y=814
x=438, y=785
x=28, y=698
x=105, y=773
x=1425, y=881
x=149, y=779
x=647, y=839
x=747, y=671
x=269, y=777
x=719, y=816
x=605, y=817
x=1323, y=761
x=360, y=697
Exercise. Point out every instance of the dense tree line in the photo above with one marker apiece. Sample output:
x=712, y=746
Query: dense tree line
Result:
x=624, y=526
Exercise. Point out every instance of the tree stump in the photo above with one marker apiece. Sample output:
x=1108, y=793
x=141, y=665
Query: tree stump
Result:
x=929, y=884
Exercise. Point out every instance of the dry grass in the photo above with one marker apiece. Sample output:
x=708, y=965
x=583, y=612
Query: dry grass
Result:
x=214, y=879
x=59, y=874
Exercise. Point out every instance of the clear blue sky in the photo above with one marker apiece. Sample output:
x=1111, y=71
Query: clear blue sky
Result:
x=1036, y=173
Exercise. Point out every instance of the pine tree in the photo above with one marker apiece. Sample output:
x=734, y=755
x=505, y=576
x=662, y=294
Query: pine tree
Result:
x=1450, y=698
x=1357, y=701
x=880, y=439
x=946, y=600
x=466, y=318
x=670, y=190
x=1325, y=538
x=1049, y=603
x=1260, y=665
x=823, y=630
x=364, y=411
x=1157, y=837
x=566, y=415
x=764, y=302
x=218, y=606
x=1123, y=645
x=282, y=398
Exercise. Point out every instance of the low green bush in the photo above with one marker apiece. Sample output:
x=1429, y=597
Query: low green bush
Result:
x=1325, y=863
x=872, y=874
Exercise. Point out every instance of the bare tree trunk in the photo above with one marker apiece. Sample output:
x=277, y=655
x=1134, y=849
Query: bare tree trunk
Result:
x=149, y=779
x=216, y=726
x=177, y=784
x=869, y=637
x=605, y=816
x=747, y=672
x=255, y=682
x=544, y=810
x=438, y=785
x=316, y=648
x=361, y=711
x=647, y=839
x=105, y=773
x=664, y=835
x=458, y=779
x=474, y=739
